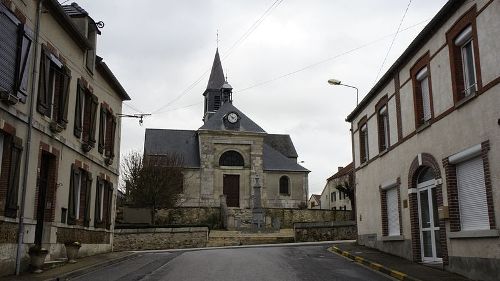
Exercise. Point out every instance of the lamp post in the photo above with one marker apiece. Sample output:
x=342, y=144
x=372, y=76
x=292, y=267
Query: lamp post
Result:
x=338, y=82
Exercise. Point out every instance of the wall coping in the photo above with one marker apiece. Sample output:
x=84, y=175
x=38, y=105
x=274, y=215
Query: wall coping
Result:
x=161, y=230
x=474, y=233
x=325, y=224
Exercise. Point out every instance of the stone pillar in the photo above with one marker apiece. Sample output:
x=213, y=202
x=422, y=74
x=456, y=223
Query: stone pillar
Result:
x=223, y=211
x=257, y=211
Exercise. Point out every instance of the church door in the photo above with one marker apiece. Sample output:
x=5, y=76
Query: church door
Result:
x=231, y=188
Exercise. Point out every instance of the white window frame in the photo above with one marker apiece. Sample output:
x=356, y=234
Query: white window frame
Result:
x=384, y=115
x=423, y=79
x=392, y=186
x=364, y=131
x=463, y=40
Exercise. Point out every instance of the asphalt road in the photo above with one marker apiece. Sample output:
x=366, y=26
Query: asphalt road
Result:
x=261, y=264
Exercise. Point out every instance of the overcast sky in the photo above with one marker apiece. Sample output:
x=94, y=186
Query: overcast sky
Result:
x=158, y=49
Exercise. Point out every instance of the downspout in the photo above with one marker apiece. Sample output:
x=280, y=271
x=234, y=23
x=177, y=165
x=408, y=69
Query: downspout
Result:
x=20, y=234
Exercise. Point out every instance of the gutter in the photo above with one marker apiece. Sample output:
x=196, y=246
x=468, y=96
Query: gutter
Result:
x=20, y=234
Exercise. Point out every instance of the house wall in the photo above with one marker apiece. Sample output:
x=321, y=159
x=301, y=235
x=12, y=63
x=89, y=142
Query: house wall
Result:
x=452, y=130
x=65, y=146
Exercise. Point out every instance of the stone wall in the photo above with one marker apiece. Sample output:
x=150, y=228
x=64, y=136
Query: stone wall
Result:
x=160, y=238
x=325, y=231
x=241, y=218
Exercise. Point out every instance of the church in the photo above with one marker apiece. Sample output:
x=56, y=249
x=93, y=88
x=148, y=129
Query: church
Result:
x=230, y=154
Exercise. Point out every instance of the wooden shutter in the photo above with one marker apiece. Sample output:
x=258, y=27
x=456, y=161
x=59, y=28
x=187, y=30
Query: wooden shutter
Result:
x=98, y=200
x=43, y=103
x=8, y=50
x=82, y=199
x=102, y=131
x=78, y=110
x=109, y=205
x=75, y=176
x=113, y=135
x=62, y=113
x=88, y=194
x=107, y=141
x=24, y=52
x=472, y=195
x=86, y=116
x=393, y=212
x=93, y=115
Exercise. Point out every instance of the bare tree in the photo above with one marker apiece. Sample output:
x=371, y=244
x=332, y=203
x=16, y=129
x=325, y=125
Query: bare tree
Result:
x=347, y=187
x=153, y=181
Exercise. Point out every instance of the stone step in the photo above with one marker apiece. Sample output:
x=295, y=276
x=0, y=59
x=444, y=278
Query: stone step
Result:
x=54, y=263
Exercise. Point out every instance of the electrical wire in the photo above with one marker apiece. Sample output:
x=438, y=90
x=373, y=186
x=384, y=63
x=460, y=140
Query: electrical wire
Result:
x=392, y=43
x=237, y=43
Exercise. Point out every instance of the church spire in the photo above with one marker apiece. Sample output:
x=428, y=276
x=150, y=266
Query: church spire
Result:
x=218, y=90
x=216, y=79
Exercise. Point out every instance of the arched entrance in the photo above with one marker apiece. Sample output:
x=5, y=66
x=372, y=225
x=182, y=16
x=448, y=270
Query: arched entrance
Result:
x=430, y=246
x=428, y=231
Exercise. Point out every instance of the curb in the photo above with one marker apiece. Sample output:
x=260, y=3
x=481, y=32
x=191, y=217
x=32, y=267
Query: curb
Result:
x=90, y=268
x=373, y=265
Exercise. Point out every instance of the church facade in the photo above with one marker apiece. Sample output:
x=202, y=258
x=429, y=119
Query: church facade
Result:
x=229, y=154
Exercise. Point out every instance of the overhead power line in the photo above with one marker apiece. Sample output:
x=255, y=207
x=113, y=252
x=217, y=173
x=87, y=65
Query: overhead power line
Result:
x=236, y=44
x=392, y=42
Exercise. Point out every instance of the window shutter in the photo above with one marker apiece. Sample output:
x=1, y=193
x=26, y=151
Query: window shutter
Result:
x=88, y=194
x=78, y=110
x=472, y=195
x=93, y=115
x=102, y=131
x=23, y=63
x=8, y=50
x=43, y=103
x=86, y=116
x=109, y=132
x=62, y=117
x=72, y=196
x=83, y=193
x=109, y=205
x=98, y=199
x=393, y=212
x=15, y=165
x=113, y=136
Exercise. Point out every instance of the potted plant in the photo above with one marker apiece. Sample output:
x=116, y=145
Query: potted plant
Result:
x=37, y=257
x=72, y=248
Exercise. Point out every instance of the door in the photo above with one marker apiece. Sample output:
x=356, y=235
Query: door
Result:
x=43, y=184
x=231, y=188
x=429, y=222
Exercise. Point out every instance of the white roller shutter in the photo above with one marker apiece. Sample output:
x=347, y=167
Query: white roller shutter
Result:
x=472, y=195
x=393, y=212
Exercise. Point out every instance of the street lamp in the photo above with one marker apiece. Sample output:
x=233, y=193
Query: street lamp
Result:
x=338, y=82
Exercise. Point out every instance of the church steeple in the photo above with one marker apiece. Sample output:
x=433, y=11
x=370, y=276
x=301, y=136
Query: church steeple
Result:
x=218, y=90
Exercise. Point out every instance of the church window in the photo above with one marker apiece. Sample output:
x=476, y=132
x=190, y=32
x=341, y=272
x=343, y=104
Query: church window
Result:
x=231, y=158
x=284, y=185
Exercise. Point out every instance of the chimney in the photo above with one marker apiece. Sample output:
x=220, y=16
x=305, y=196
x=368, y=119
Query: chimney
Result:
x=340, y=168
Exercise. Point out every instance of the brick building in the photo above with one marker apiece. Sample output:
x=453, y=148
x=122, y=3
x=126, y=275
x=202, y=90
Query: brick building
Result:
x=58, y=177
x=427, y=146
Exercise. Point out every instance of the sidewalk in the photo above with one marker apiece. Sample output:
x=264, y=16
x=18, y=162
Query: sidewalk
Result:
x=394, y=266
x=69, y=270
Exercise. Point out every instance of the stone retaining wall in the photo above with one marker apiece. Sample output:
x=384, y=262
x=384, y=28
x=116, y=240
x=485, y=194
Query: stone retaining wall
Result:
x=160, y=238
x=241, y=218
x=325, y=231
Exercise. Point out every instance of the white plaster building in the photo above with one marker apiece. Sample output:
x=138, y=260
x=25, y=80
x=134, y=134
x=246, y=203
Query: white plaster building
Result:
x=427, y=146
x=331, y=197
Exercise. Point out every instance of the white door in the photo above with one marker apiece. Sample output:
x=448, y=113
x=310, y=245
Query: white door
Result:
x=429, y=222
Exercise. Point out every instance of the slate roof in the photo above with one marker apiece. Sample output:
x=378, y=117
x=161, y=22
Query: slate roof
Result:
x=316, y=197
x=281, y=143
x=275, y=161
x=74, y=10
x=185, y=142
x=344, y=171
x=216, y=123
x=216, y=79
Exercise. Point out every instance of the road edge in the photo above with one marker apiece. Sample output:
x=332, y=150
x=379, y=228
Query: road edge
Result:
x=373, y=265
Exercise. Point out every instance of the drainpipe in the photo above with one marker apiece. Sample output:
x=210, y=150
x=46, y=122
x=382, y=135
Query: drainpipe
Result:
x=20, y=233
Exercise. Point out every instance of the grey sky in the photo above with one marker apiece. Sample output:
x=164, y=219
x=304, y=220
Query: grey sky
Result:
x=157, y=49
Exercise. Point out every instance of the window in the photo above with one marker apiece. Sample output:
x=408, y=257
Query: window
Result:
x=472, y=201
x=284, y=185
x=422, y=90
x=392, y=212
x=231, y=158
x=79, y=196
x=333, y=196
x=464, y=56
x=85, y=116
x=53, y=90
x=383, y=128
x=391, y=208
x=10, y=159
x=104, y=195
x=15, y=52
x=107, y=131
x=363, y=140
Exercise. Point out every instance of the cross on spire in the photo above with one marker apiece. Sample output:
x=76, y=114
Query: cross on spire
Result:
x=217, y=38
